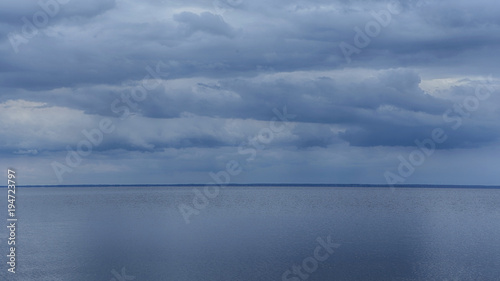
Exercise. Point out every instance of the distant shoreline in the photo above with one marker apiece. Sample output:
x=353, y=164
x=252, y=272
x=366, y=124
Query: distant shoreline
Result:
x=333, y=185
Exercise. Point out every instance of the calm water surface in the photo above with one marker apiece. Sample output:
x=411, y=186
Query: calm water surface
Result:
x=255, y=233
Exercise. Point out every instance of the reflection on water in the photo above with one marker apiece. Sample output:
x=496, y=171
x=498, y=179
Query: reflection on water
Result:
x=256, y=233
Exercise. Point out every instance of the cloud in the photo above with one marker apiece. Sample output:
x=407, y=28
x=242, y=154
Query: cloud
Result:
x=226, y=65
x=205, y=22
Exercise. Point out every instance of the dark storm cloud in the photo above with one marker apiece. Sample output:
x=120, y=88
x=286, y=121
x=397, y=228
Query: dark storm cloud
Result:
x=388, y=109
x=299, y=36
x=252, y=98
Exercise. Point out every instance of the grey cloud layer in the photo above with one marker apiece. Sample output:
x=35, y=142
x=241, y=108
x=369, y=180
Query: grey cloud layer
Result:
x=388, y=109
x=115, y=43
x=229, y=63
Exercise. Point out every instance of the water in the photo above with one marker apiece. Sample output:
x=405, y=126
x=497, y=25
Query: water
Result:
x=255, y=233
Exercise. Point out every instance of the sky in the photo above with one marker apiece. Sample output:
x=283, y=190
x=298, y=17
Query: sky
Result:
x=238, y=91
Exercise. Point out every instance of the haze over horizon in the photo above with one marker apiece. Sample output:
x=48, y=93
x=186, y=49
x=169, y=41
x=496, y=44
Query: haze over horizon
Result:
x=117, y=92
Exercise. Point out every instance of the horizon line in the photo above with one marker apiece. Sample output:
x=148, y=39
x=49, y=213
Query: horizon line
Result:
x=265, y=184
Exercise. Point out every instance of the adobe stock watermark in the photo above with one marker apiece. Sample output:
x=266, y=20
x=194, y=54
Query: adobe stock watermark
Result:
x=233, y=168
x=425, y=148
x=310, y=264
x=39, y=20
x=373, y=28
x=121, y=276
x=123, y=107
